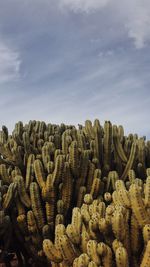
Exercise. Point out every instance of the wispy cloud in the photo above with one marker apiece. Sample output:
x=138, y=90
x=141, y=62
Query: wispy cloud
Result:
x=9, y=63
x=134, y=16
x=84, y=5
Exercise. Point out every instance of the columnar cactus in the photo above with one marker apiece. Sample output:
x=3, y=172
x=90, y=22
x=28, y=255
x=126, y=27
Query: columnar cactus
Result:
x=75, y=197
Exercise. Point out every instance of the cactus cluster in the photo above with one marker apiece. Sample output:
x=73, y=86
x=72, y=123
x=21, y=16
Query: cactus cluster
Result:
x=75, y=196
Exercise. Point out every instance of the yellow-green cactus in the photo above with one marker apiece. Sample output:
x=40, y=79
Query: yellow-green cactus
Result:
x=37, y=205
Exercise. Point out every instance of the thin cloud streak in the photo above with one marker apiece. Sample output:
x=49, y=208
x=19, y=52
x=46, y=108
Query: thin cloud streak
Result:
x=9, y=63
x=134, y=16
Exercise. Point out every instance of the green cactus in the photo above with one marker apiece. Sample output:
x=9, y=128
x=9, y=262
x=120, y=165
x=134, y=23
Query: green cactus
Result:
x=37, y=205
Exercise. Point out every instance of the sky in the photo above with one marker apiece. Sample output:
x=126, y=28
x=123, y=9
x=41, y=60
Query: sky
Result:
x=72, y=60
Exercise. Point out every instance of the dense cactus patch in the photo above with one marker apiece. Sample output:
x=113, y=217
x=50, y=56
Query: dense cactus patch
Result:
x=74, y=196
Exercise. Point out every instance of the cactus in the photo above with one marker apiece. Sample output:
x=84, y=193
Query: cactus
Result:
x=24, y=197
x=52, y=253
x=75, y=197
x=29, y=171
x=118, y=146
x=36, y=204
x=107, y=143
x=122, y=257
x=10, y=195
x=130, y=161
x=39, y=172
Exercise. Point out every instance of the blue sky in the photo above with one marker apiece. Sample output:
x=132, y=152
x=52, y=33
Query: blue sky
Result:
x=72, y=60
